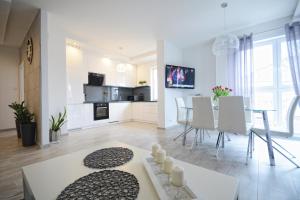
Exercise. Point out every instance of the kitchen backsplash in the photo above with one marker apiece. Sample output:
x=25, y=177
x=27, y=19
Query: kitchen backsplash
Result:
x=116, y=93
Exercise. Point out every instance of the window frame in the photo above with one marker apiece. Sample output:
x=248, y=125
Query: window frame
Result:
x=277, y=88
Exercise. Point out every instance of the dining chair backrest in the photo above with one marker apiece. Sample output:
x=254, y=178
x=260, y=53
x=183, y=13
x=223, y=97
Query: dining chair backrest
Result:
x=203, y=115
x=232, y=115
x=181, y=111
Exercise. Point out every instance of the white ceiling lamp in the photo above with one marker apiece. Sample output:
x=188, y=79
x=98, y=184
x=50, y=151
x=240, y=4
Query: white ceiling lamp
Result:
x=226, y=42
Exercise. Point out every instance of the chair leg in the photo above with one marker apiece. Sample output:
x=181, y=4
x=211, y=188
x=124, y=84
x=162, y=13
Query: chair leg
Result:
x=284, y=149
x=195, y=139
x=223, y=140
x=218, y=144
x=251, y=144
x=218, y=140
x=253, y=141
x=248, y=149
x=200, y=136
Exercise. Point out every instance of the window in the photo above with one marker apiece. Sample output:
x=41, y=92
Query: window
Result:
x=273, y=87
x=154, y=83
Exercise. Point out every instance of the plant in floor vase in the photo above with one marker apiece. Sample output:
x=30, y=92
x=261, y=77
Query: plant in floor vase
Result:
x=18, y=109
x=56, y=124
x=27, y=127
x=220, y=91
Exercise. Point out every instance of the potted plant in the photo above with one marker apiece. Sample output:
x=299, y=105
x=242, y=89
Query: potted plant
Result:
x=142, y=83
x=18, y=109
x=220, y=91
x=56, y=124
x=27, y=127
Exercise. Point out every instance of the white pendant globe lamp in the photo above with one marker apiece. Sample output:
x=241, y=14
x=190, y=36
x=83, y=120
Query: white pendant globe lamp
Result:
x=226, y=42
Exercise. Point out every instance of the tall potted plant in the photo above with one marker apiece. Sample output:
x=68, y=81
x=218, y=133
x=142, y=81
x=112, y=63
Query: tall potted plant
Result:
x=18, y=110
x=56, y=124
x=27, y=127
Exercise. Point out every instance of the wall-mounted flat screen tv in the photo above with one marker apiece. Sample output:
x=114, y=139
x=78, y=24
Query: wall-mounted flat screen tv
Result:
x=180, y=77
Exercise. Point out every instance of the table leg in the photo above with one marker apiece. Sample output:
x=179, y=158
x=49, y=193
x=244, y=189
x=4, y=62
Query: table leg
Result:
x=186, y=125
x=268, y=138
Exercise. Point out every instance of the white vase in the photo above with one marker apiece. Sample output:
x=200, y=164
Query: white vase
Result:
x=55, y=135
x=216, y=102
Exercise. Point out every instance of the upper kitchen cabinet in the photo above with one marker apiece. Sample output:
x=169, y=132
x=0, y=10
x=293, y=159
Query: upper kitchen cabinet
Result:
x=76, y=74
x=124, y=75
x=116, y=73
x=80, y=61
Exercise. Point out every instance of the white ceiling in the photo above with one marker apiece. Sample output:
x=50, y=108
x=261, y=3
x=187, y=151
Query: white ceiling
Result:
x=15, y=21
x=135, y=25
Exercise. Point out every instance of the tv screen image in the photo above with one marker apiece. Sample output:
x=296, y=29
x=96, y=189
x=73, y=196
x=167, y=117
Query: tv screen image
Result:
x=180, y=77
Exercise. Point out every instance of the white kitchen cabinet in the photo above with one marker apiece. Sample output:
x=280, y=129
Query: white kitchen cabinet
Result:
x=82, y=115
x=79, y=63
x=77, y=75
x=120, y=111
x=75, y=116
x=144, y=112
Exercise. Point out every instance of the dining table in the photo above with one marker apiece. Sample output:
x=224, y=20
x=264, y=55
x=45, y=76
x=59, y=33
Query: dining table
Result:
x=269, y=141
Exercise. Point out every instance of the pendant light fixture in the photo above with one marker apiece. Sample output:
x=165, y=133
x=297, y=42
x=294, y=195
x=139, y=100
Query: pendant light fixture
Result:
x=226, y=42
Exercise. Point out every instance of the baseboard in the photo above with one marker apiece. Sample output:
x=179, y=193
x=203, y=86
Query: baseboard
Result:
x=8, y=129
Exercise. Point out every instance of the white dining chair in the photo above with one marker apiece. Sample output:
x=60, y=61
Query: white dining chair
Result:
x=203, y=117
x=182, y=115
x=232, y=119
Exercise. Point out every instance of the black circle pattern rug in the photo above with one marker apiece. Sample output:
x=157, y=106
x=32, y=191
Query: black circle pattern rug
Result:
x=103, y=185
x=108, y=158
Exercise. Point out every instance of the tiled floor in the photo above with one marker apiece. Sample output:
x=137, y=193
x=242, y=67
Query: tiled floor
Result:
x=257, y=180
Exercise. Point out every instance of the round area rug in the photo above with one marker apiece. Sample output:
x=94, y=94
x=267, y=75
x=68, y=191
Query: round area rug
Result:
x=108, y=158
x=103, y=185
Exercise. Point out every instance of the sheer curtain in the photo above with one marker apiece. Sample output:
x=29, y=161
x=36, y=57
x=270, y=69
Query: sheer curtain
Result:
x=241, y=68
x=292, y=33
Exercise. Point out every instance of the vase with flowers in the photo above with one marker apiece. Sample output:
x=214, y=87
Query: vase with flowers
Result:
x=220, y=91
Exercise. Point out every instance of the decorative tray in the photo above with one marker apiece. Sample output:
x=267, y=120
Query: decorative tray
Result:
x=162, y=184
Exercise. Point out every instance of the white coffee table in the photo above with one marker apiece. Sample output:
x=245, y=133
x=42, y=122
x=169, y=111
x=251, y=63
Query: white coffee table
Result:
x=45, y=180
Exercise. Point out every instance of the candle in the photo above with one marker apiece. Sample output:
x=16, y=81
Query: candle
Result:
x=177, y=176
x=160, y=156
x=155, y=148
x=168, y=165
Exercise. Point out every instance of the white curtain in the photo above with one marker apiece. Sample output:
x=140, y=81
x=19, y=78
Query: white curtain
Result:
x=241, y=68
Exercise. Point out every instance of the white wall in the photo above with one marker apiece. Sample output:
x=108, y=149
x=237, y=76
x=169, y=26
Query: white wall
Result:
x=9, y=61
x=57, y=98
x=202, y=59
x=143, y=72
x=44, y=98
x=168, y=53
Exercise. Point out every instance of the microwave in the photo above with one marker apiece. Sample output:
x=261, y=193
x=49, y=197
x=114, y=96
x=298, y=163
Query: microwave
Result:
x=95, y=79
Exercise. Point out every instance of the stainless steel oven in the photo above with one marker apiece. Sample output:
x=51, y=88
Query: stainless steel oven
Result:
x=101, y=111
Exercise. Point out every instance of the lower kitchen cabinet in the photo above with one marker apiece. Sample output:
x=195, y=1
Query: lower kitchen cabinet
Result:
x=145, y=112
x=119, y=112
x=82, y=115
